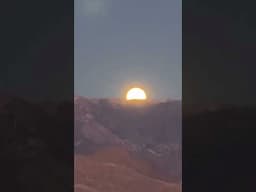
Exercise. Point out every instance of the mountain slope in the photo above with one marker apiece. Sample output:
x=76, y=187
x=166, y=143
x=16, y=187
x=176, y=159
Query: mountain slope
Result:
x=152, y=132
x=97, y=175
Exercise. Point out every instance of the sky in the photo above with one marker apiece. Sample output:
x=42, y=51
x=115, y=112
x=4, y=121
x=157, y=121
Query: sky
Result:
x=121, y=42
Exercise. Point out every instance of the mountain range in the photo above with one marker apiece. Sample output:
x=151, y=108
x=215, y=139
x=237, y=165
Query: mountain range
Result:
x=144, y=138
x=36, y=145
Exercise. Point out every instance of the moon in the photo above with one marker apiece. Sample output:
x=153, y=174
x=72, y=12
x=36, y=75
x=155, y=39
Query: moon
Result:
x=136, y=94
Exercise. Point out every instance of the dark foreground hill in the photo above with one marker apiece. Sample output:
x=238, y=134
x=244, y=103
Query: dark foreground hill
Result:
x=219, y=145
x=31, y=159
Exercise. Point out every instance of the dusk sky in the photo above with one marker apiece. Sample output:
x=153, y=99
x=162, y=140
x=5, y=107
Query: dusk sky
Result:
x=119, y=42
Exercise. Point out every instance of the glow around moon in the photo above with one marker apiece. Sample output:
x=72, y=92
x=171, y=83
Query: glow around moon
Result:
x=136, y=94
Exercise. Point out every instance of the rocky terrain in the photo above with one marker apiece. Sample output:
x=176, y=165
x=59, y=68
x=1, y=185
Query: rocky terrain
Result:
x=37, y=148
x=119, y=173
x=117, y=147
x=148, y=137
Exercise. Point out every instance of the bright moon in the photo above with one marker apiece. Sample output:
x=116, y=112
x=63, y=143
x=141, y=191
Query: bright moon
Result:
x=136, y=94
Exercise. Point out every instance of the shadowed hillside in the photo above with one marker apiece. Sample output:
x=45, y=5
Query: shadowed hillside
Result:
x=219, y=142
x=29, y=151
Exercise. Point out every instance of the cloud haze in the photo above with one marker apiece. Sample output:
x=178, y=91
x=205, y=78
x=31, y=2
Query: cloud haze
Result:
x=95, y=7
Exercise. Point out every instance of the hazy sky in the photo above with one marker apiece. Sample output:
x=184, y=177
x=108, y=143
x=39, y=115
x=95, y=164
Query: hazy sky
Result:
x=118, y=42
